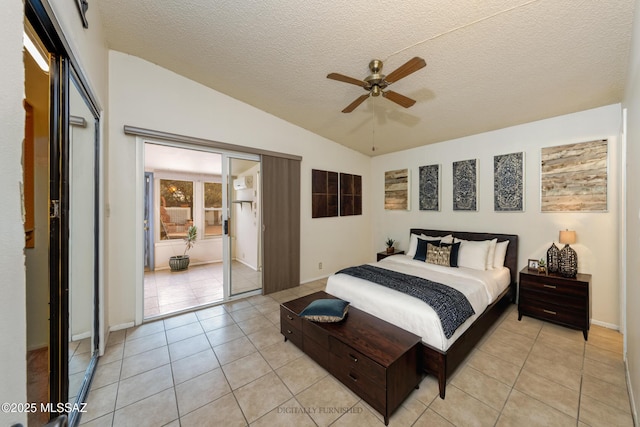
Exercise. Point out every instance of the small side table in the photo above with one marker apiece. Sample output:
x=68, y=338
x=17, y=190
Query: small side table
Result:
x=384, y=254
x=557, y=299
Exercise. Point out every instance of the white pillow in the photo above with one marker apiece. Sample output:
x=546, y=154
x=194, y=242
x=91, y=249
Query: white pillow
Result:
x=444, y=239
x=491, y=254
x=473, y=254
x=413, y=242
x=500, y=254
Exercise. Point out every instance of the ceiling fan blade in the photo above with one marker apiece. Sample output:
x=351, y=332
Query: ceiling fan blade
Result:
x=355, y=103
x=411, y=66
x=346, y=79
x=398, y=99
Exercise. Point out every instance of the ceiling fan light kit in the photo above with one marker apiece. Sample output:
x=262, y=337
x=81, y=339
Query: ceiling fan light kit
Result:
x=376, y=83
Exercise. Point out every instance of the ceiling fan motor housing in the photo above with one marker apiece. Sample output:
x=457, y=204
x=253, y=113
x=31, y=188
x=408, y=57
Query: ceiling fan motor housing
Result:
x=375, y=81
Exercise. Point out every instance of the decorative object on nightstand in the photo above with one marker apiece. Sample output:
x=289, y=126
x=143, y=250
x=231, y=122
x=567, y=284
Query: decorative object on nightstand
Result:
x=568, y=263
x=542, y=266
x=389, y=242
x=553, y=259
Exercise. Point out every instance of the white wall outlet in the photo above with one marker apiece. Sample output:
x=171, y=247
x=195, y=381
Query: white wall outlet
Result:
x=320, y=266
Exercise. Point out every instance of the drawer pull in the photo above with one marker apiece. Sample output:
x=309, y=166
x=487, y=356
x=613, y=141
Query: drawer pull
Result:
x=355, y=359
x=353, y=377
x=550, y=286
x=289, y=317
x=289, y=331
x=550, y=312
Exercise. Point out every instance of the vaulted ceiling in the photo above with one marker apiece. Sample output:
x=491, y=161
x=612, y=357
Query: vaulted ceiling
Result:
x=490, y=63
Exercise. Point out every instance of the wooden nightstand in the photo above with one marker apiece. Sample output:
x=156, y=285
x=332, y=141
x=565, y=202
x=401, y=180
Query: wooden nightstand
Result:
x=384, y=254
x=557, y=299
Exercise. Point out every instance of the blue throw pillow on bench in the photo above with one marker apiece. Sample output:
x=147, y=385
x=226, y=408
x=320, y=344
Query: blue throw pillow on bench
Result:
x=326, y=310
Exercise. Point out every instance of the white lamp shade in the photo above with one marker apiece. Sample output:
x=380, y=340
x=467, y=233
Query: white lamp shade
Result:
x=567, y=237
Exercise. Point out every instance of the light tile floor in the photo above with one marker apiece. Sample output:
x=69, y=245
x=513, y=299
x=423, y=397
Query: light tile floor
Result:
x=228, y=365
x=167, y=291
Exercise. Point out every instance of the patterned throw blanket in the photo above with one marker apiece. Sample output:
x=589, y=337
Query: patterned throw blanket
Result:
x=452, y=307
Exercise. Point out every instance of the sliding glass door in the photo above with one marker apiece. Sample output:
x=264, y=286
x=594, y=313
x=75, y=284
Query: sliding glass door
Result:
x=242, y=224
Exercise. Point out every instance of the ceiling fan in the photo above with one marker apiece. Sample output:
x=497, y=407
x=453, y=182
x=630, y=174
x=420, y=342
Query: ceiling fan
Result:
x=376, y=82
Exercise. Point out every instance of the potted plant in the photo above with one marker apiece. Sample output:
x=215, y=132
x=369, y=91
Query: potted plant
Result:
x=181, y=262
x=389, y=243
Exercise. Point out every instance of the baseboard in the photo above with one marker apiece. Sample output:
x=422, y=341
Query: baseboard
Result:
x=634, y=410
x=605, y=324
x=81, y=336
x=37, y=347
x=122, y=326
x=313, y=279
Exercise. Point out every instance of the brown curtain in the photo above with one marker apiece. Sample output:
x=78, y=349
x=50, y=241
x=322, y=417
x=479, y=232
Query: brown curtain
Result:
x=281, y=223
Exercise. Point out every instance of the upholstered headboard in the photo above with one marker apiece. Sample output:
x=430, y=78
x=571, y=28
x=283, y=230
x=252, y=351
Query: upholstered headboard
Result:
x=510, y=261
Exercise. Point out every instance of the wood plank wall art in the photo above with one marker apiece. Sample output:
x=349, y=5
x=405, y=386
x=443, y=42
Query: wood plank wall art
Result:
x=573, y=177
x=324, y=193
x=396, y=190
x=350, y=194
x=508, y=182
x=429, y=188
x=465, y=185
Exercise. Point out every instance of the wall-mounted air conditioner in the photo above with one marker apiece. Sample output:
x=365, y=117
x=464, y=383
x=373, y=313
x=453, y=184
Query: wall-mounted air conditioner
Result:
x=243, y=182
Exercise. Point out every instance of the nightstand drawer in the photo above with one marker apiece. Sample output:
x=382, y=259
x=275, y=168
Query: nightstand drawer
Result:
x=555, y=286
x=555, y=298
x=555, y=313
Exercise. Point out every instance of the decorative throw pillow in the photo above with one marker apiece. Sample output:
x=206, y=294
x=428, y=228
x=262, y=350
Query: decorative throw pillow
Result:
x=439, y=255
x=455, y=249
x=326, y=310
x=421, y=250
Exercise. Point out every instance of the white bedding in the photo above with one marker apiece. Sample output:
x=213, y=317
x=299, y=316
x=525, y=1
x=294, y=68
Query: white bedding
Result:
x=480, y=287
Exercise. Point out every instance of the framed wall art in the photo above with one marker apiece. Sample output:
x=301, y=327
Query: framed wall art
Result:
x=465, y=185
x=396, y=190
x=573, y=177
x=324, y=193
x=429, y=188
x=508, y=182
x=350, y=194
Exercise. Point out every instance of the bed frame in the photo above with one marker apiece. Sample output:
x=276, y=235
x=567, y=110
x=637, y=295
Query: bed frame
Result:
x=442, y=364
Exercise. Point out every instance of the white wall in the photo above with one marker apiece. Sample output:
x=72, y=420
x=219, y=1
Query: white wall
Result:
x=144, y=95
x=247, y=221
x=597, y=233
x=632, y=104
x=13, y=328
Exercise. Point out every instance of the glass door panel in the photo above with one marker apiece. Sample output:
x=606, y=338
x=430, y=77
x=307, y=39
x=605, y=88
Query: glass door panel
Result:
x=82, y=239
x=242, y=224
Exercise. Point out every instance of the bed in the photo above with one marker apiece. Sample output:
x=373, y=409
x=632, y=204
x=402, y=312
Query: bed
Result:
x=488, y=291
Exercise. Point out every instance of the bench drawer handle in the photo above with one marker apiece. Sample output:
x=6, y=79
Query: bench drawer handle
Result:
x=353, y=377
x=550, y=286
x=289, y=317
x=355, y=359
x=550, y=312
x=289, y=331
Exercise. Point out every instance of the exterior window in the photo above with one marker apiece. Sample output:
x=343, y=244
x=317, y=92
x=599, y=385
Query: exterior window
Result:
x=212, y=209
x=176, y=208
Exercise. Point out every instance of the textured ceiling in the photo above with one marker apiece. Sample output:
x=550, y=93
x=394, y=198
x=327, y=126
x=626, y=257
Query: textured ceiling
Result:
x=490, y=63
